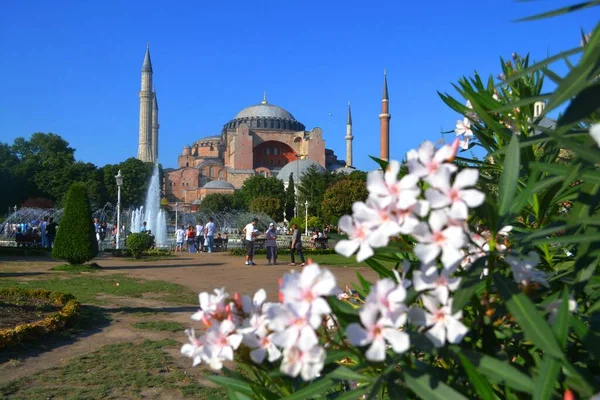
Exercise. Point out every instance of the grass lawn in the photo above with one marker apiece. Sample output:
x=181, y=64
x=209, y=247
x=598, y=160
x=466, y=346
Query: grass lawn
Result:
x=85, y=288
x=160, y=326
x=116, y=371
x=77, y=268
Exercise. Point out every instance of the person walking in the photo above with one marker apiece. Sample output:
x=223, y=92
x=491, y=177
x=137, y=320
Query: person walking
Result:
x=271, y=243
x=296, y=245
x=191, y=239
x=50, y=232
x=179, y=237
x=250, y=231
x=209, y=230
x=43, y=226
x=199, y=236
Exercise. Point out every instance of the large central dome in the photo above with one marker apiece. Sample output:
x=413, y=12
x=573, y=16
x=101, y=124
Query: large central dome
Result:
x=266, y=116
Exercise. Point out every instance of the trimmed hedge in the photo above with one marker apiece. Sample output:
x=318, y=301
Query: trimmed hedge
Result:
x=75, y=238
x=138, y=243
x=151, y=252
x=26, y=332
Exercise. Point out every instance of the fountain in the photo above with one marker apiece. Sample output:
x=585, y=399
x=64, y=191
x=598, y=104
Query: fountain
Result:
x=151, y=213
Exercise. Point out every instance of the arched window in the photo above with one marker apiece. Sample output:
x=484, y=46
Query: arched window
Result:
x=187, y=164
x=211, y=172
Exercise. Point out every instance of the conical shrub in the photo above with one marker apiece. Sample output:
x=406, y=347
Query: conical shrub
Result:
x=75, y=237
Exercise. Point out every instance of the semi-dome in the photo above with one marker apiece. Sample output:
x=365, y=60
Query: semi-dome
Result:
x=298, y=168
x=218, y=184
x=266, y=116
x=344, y=170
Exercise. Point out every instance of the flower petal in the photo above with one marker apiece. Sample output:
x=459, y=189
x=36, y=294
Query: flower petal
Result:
x=346, y=247
x=399, y=340
x=357, y=335
x=437, y=334
x=466, y=178
x=456, y=330
x=472, y=197
x=377, y=350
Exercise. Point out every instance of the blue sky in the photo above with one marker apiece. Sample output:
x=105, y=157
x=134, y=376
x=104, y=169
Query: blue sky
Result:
x=73, y=67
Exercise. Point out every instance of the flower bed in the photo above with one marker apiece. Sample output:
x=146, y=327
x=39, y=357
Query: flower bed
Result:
x=69, y=307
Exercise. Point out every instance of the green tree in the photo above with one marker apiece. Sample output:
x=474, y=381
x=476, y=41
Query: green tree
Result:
x=340, y=196
x=75, y=238
x=136, y=178
x=312, y=188
x=12, y=192
x=268, y=205
x=290, y=199
x=216, y=202
x=261, y=186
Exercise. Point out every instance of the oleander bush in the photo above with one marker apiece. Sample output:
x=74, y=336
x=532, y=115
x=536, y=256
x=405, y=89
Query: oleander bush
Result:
x=75, y=237
x=495, y=292
x=138, y=243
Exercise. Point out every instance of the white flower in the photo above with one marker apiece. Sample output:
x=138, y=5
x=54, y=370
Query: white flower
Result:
x=443, y=325
x=387, y=189
x=293, y=326
x=212, y=306
x=221, y=341
x=376, y=332
x=439, y=284
x=458, y=196
x=595, y=133
x=555, y=305
x=464, y=144
x=432, y=241
x=471, y=115
x=426, y=161
x=358, y=239
x=194, y=348
x=381, y=220
x=263, y=346
x=524, y=271
x=306, y=363
x=254, y=305
x=408, y=218
x=388, y=297
x=307, y=288
x=463, y=128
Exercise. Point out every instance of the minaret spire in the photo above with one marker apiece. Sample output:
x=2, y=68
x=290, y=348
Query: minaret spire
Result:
x=264, y=98
x=349, y=138
x=145, y=143
x=384, y=122
x=155, y=125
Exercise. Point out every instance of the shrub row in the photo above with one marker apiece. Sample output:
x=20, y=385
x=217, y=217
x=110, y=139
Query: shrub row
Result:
x=306, y=251
x=26, y=332
x=151, y=252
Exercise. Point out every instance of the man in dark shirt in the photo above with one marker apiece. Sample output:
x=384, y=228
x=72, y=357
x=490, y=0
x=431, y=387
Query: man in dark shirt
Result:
x=50, y=232
x=296, y=245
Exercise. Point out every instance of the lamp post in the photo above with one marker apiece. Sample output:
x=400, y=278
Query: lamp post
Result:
x=306, y=217
x=119, y=179
x=176, y=207
x=297, y=178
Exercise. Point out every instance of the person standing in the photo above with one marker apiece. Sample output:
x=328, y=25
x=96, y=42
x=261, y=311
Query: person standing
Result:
x=209, y=230
x=250, y=231
x=271, y=243
x=43, y=226
x=144, y=227
x=296, y=245
x=191, y=239
x=199, y=236
x=179, y=237
x=50, y=232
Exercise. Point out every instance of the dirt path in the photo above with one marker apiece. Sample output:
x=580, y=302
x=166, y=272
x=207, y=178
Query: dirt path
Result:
x=198, y=272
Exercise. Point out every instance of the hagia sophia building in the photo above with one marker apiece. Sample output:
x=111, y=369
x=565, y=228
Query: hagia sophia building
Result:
x=261, y=139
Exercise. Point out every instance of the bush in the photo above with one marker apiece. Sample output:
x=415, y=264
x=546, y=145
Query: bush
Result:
x=138, y=243
x=271, y=206
x=75, y=238
x=315, y=223
x=298, y=221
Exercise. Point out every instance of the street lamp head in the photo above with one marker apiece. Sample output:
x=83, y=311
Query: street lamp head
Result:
x=306, y=203
x=119, y=179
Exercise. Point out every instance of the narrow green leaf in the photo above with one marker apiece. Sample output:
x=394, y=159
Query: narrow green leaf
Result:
x=499, y=371
x=382, y=271
x=346, y=374
x=470, y=284
x=582, y=106
x=545, y=382
x=562, y=11
x=231, y=383
x=428, y=387
x=314, y=389
x=480, y=384
x=396, y=391
x=233, y=395
x=354, y=394
x=534, y=326
x=366, y=285
x=510, y=176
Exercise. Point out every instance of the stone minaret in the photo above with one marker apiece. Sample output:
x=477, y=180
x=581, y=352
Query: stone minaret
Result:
x=384, y=121
x=145, y=152
x=349, y=138
x=155, y=126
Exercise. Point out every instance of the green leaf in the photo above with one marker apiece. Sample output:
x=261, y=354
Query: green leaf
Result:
x=562, y=11
x=346, y=374
x=345, y=313
x=582, y=106
x=313, y=389
x=510, y=176
x=470, y=284
x=366, y=285
x=534, y=326
x=233, y=395
x=480, y=384
x=428, y=387
x=545, y=382
x=354, y=394
x=396, y=391
x=499, y=371
x=382, y=271
x=231, y=383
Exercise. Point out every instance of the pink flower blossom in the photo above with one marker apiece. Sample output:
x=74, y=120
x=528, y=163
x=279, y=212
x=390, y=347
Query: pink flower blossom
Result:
x=221, y=341
x=306, y=363
x=435, y=239
x=427, y=162
x=388, y=189
x=459, y=196
x=442, y=326
x=438, y=283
